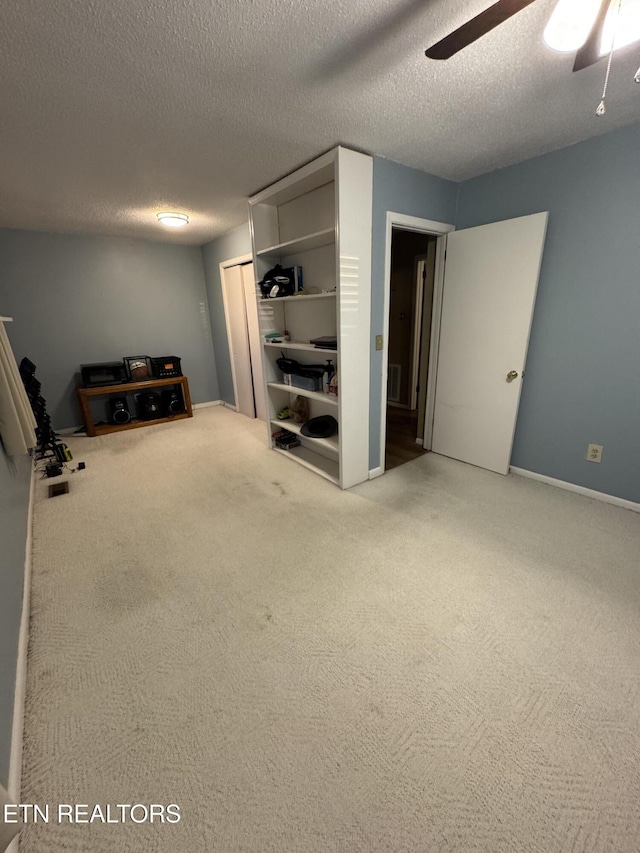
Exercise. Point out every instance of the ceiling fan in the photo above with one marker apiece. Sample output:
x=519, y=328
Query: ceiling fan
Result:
x=574, y=25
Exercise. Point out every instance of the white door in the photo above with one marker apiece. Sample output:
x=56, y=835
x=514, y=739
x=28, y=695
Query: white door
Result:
x=237, y=332
x=255, y=340
x=490, y=282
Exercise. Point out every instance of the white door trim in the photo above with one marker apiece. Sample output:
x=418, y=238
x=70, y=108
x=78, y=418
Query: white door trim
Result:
x=434, y=341
x=234, y=262
x=422, y=226
x=417, y=328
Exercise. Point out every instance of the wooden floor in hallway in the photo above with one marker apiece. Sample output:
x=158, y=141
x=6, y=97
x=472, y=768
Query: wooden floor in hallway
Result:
x=401, y=445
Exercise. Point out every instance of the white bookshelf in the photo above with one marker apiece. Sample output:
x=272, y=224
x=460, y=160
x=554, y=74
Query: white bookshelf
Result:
x=319, y=218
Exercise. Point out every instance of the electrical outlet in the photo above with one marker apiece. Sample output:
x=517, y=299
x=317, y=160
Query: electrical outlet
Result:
x=594, y=453
x=378, y=342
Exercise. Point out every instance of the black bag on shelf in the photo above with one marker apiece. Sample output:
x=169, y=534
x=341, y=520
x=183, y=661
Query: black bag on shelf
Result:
x=290, y=365
x=278, y=282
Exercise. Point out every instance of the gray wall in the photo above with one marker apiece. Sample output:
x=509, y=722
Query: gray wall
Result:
x=234, y=244
x=87, y=299
x=409, y=191
x=583, y=370
x=14, y=505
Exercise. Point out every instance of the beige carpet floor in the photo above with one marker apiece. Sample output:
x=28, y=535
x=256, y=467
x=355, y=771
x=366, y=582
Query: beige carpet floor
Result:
x=440, y=660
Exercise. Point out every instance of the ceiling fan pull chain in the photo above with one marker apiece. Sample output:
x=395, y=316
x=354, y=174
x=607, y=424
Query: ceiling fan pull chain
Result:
x=601, y=110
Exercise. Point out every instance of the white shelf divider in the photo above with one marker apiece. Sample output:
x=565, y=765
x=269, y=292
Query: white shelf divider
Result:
x=300, y=346
x=301, y=297
x=327, y=468
x=326, y=443
x=320, y=396
x=301, y=244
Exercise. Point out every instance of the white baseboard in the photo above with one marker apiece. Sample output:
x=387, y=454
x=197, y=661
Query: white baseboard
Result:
x=579, y=490
x=207, y=405
x=419, y=441
x=15, y=760
x=376, y=472
x=229, y=406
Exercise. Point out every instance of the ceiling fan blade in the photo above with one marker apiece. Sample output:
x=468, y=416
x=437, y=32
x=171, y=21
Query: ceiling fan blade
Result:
x=476, y=28
x=589, y=53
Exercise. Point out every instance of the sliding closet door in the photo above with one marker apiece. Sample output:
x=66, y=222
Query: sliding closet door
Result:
x=238, y=334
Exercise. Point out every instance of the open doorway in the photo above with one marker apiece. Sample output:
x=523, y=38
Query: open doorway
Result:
x=411, y=296
x=480, y=329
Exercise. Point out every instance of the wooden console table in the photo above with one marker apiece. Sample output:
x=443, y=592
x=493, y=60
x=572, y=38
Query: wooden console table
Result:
x=124, y=388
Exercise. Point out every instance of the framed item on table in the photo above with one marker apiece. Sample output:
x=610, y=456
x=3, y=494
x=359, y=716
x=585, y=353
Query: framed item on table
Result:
x=138, y=368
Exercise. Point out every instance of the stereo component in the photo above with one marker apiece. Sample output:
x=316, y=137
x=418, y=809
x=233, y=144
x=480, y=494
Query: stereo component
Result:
x=164, y=367
x=105, y=373
x=119, y=411
x=172, y=403
x=149, y=406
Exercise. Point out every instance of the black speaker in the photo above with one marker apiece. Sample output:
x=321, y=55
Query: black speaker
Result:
x=172, y=403
x=149, y=406
x=119, y=411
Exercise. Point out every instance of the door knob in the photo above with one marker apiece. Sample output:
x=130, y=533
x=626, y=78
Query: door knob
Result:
x=511, y=375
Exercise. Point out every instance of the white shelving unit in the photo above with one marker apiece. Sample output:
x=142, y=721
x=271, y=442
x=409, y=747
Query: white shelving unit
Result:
x=319, y=218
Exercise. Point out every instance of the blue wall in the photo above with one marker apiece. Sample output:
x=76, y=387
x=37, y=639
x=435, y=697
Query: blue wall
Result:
x=583, y=369
x=234, y=244
x=79, y=299
x=14, y=505
x=409, y=191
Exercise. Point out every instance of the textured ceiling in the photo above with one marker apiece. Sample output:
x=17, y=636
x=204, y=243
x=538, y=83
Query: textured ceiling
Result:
x=114, y=109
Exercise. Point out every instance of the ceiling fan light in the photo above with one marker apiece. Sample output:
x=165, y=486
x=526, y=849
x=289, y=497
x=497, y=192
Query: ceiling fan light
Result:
x=570, y=24
x=173, y=220
x=622, y=26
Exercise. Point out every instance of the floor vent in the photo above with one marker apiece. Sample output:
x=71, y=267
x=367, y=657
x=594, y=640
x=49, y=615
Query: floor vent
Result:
x=393, y=383
x=59, y=489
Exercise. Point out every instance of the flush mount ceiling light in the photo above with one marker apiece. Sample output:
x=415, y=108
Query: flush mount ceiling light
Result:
x=173, y=220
